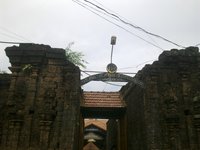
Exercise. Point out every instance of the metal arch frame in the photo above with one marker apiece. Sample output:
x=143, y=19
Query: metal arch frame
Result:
x=114, y=77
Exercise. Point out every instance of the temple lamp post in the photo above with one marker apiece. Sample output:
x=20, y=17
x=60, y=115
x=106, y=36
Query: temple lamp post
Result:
x=112, y=68
x=112, y=42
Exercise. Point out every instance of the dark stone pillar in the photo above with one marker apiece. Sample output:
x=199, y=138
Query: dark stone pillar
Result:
x=112, y=138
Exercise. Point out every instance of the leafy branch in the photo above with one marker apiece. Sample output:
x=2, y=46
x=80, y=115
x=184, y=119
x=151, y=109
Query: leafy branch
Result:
x=74, y=56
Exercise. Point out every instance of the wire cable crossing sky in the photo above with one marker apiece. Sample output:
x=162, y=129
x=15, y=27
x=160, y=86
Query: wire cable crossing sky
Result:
x=134, y=26
x=57, y=23
x=85, y=6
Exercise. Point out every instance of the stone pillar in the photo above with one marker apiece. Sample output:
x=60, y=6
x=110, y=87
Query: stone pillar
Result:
x=112, y=138
x=188, y=103
x=5, y=80
x=123, y=132
x=152, y=111
x=196, y=115
x=45, y=127
x=14, y=134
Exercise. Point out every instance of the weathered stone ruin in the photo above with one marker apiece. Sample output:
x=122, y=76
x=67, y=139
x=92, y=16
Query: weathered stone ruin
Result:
x=40, y=103
x=165, y=115
x=42, y=107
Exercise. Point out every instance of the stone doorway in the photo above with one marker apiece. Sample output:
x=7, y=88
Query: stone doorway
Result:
x=110, y=107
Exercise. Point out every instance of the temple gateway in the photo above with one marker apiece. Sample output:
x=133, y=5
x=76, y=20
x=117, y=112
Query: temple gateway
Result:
x=42, y=105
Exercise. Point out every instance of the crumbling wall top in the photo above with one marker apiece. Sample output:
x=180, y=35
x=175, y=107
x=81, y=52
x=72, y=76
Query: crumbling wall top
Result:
x=176, y=55
x=36, y=55
x=182, y=59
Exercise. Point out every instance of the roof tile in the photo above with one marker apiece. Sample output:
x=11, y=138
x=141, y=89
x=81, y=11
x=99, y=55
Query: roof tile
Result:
x=102, y=99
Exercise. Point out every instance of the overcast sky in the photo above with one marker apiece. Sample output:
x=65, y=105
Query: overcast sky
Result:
x=59, y=22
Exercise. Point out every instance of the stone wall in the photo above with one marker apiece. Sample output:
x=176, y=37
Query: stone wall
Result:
x=40, y=102
x=4, y=91
x=42, y=108
x=112, y=138
x=165, y=114
x=4, y=88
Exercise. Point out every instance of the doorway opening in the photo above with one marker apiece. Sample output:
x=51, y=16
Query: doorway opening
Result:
x=95, y=134
x=104, y=121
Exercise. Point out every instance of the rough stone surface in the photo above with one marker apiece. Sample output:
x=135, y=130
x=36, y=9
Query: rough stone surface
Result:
x=165, y=114
x=40, y=103
x=4, y=91
x=112, y=134
x=42, y=108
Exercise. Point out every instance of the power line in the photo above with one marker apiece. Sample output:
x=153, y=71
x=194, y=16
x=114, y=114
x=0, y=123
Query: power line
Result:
x=134, y=26
x=115, y=17
x=10, y=42
x=102, y=81
x=15, y=34
x=112, y=84
x=10, y=36
x=85, y=71
x=113, y=12
x=197, y=45
x=80, y=3
x=137, y=65
x=95, y=9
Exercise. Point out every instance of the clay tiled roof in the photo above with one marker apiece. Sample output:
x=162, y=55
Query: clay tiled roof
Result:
x=98, y=123
x=102, y=99
x=90, y=146
x=102, y=105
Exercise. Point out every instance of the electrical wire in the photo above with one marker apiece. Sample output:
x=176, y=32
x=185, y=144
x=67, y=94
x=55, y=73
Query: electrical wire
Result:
x=119, y=26
x=134, y=26
x=85, y=71
x=197, y=45
x=97, y=10
x=10, y=42
x=137, y=65
x=112, y=84
x=85, y=6
x=115, y=19
x=15, y=34
x=10, y=36
x=102, y=81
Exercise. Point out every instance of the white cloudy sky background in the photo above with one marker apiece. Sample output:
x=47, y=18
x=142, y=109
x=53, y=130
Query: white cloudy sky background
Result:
x=59, y=22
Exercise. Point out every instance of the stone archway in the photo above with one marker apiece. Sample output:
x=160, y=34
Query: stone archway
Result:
x=113, y=77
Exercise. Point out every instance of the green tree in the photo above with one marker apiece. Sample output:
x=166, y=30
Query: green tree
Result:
x=74, y=56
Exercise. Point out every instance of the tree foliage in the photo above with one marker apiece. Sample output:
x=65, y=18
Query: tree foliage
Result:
x=74, y=56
